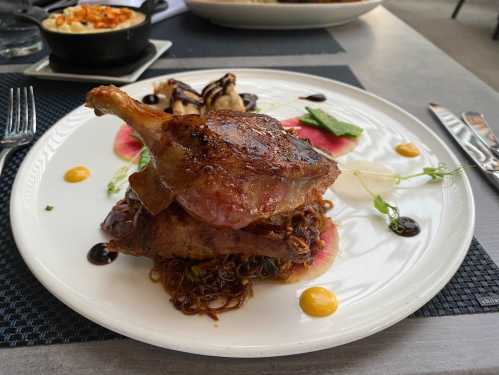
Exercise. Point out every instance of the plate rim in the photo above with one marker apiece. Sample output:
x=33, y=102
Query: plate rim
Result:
x=190, y=346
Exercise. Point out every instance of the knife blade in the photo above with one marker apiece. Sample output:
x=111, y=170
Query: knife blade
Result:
x=476, y=121
x=474, y=147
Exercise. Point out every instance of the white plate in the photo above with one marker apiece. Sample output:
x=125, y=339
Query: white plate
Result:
x=279, y=16
x=42, y=69
x=379, y=278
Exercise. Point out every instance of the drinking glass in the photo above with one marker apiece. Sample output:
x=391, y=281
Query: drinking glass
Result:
x=17, y=37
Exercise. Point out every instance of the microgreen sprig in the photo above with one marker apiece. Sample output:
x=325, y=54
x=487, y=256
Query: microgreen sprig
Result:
x=436, y=173
x=382, y=206
x=120, y=176
x=391, y=211
x=118, y=179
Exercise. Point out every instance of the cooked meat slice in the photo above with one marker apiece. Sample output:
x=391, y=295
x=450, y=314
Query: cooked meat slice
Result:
x=174, y=232
x=227, y=168
x=221, y=94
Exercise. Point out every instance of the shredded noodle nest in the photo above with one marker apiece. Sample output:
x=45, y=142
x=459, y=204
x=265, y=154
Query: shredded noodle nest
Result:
x=224, y=283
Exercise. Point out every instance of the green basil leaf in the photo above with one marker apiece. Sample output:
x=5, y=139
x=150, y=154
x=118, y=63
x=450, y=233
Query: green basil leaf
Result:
x=144, y=159
x=381, y=205
x=335, y=126
x=119, y=177
x=309, y=120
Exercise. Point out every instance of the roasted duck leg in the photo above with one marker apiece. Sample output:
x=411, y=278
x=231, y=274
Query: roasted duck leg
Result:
x=146, y=120
x=226, y=168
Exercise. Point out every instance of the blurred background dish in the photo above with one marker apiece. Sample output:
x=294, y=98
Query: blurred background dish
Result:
x=87, y=19
x=17, y=37
x=105, y=48
x=270, y=14
x=124, y=73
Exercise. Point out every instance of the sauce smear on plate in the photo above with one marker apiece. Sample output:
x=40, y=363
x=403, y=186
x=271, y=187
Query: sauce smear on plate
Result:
x=405, y=226
x=76, y=174
x=318, y=301
x=99, y=256
x=314, y=98
x=150, y=99
x=409, y=150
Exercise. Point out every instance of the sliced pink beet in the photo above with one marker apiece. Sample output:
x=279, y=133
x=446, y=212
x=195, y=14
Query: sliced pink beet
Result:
x=322, y=260
x=126, y=145
x=331, y=143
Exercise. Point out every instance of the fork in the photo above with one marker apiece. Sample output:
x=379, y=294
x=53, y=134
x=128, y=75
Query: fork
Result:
x=21, y=122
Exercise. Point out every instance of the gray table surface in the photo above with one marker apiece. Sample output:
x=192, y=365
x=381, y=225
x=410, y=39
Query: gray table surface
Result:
x=394, y=61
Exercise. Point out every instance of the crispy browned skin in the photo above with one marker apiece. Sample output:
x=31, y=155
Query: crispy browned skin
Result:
x=173, y=232
x=154, y=195
x=227, y=168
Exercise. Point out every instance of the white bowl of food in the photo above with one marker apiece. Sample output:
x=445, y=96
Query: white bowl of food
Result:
x=276, y=14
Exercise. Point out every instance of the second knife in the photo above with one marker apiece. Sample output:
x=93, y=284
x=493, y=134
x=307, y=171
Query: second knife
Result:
x=473, y=145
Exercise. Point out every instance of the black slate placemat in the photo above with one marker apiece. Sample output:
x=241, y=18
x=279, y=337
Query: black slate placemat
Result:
x=30, y=315
x=196, y=37
x=473, y=289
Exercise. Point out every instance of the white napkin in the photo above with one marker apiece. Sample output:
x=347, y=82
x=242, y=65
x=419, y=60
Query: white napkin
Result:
x=175, y=7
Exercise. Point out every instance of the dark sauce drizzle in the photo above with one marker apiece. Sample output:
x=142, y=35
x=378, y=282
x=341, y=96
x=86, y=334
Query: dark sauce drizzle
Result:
x=249, y=101
x=218, y=88
x=314, y=98
x=184, y=86
x=405, y=226
x=210, y=94
x=150, y=99
x=99, y=256
x=179, y=94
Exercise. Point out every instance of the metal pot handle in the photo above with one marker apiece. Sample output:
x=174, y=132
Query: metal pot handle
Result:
x=33, y=14
x=149, y=6
x=60, y=4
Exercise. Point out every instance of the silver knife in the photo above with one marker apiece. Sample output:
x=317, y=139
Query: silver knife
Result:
x=476, y=121
x=476, y=149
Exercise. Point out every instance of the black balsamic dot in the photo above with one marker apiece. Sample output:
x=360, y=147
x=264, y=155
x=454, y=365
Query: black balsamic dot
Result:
x=315, y=98
x=99, y=255
x=405, y=226
x=150, y=99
